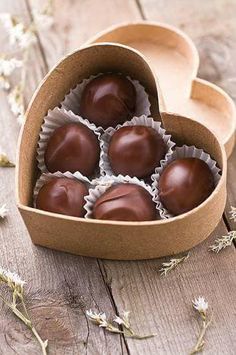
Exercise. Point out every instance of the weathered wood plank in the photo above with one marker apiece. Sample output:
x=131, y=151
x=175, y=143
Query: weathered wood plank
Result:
x=60, y=287
x=137, y=286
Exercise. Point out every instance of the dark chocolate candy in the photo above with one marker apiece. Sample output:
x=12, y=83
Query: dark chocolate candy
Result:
x=136, y=151
x=73, y=147
x=64, y=196
x=184, y=184
x=125, y=202
x=108, y=100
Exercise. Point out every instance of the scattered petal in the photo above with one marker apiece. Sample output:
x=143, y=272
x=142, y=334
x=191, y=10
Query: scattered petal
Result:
x=16, y=102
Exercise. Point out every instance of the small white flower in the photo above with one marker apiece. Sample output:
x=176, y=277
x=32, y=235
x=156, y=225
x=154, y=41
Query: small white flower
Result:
x=98, y=318
x=200, y=305
x=16, y=102
x=3, y=211
x=118, y=320
x=7, y=66
x=17, y=31
x=42, y=20
x=11, y=278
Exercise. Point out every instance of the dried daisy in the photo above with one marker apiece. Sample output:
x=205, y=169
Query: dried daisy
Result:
x=172, y=264
x=3, y=211
x=5, y=162
x=18, y=33
x=16, y=102
x=201, y=306
x=17, y=305
x=232, y=213
x=101, y=320
x=223, y=242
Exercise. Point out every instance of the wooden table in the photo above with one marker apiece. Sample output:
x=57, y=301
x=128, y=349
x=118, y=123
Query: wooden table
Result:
x=61, y=287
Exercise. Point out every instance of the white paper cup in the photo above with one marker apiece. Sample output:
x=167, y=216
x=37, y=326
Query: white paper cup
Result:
x=181, y=152
x=103, y=183
x=105, y=167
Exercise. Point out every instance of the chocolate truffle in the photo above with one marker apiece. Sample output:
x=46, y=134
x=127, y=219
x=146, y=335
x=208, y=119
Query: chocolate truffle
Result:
x=64, y=196
x=73, y=147
x=184, y=184
x=136, y=151
x=125, y=202
x=108, y=100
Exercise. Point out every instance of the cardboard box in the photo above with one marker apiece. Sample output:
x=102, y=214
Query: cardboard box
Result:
x=111, y=239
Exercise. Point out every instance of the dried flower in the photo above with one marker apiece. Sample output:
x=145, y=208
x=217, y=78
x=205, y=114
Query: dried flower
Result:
x=7, y=66
x=16, y=102
x=172, y=264
x=3, y=211
x=100, y=319
x=44, y=19
x=16, y=285
x=201, y=306
x=232, y=212
x=223, y=242
x=18, y=32
x=5, y=162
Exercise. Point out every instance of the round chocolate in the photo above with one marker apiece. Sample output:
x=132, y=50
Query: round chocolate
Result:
x=184, y=184
x=108, y=100
x=125, y=202
x=64, y=196
x=73, y=147
x=136, y=151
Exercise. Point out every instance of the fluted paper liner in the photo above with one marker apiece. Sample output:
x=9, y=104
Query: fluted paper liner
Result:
x=103, y=183
x=182, y=152
x=45, y=177
x=104, y=164
x=72, y=100
x=56, y=118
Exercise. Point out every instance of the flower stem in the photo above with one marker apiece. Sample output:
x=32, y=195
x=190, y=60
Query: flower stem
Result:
x=200, y=343
x=42, y=343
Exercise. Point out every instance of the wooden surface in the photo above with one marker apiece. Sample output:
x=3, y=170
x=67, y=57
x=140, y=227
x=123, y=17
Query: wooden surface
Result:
x=60, y=287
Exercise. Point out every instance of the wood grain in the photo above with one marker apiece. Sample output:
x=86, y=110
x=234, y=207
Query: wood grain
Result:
x=61, y=286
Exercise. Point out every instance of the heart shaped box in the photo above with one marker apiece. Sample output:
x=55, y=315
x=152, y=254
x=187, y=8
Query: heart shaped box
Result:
x=111, y=239
x=175, y=61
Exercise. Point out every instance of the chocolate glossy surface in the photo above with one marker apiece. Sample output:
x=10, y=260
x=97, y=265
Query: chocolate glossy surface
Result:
x=185, y=184
x=73, y=147
x=108, y=100
x=64, y=196
x=125, y=202
x=136, y=151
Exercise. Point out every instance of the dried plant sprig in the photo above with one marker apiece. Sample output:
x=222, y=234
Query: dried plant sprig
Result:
x=3, y=211
x=18, y=32
x=7, y=66
x=232, y=213
x=16, y=102
x=223, y=242
x=101, y=320
x=24, y=36
x=201, y=306
x=44, y=19
x=172, y=264
x=5, y=162
x=17, y=303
